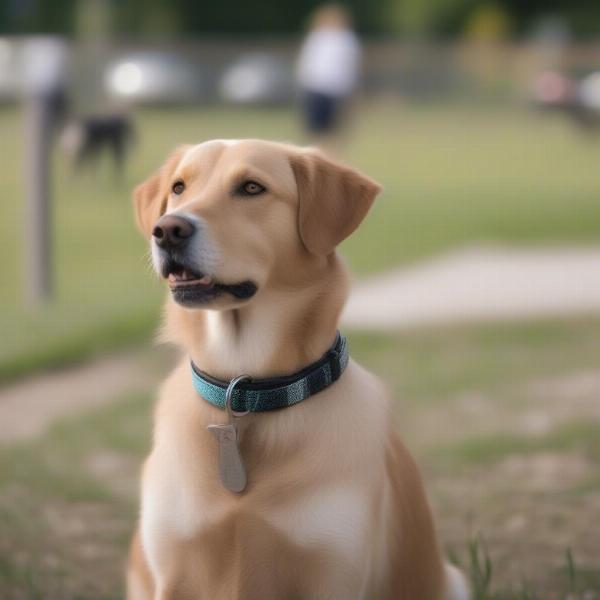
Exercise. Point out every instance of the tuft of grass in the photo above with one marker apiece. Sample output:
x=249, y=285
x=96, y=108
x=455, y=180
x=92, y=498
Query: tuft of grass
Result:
x=480, y=569
x=571, y=571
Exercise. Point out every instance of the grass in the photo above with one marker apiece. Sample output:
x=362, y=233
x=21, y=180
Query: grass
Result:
x=427, y=367
x=453, y=176
x=480, y=570
x=64, y=529
x=574, y=436
x=68, y=500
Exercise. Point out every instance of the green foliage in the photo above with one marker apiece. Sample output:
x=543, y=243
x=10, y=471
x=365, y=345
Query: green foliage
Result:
x=571, y=571
x=488, y=23
x=42, y=16
x=480, y=569
x=233, y=16
x=425, y=16
x=581, y=15
x=189, y=17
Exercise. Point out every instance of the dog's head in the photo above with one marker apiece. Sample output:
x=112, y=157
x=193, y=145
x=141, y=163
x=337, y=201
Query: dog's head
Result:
x=227, y=219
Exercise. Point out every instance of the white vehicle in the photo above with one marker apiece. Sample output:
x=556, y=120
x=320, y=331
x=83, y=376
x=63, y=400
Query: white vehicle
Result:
x=154, y=77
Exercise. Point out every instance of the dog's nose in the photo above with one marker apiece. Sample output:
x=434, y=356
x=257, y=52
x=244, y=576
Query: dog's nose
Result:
x=171, y=231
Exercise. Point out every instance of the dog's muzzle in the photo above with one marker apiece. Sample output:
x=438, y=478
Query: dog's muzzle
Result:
x=176, y=259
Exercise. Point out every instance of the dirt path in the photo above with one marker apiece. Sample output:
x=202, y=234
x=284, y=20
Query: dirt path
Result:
x=29, y=407
x=480, y=283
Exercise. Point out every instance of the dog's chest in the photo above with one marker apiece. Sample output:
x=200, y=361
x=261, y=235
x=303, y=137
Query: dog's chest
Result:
x=335, y=520
x=335, y=517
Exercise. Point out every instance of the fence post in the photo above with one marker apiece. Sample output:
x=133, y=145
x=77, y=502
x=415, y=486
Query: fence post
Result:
x=44, y=62
x=37, y=232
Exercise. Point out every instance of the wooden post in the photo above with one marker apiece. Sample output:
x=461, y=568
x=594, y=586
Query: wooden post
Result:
x=44, y=62
x=37, y=235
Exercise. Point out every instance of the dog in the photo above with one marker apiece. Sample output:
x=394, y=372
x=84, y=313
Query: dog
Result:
x=85, y=138
x=293, y=484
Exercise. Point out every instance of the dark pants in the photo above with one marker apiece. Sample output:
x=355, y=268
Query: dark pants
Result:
x=320, y=111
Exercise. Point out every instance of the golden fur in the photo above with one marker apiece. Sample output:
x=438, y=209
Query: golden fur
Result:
x=334, y=506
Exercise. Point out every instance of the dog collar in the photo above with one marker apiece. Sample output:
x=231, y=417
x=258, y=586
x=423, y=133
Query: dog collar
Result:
x=257, y=395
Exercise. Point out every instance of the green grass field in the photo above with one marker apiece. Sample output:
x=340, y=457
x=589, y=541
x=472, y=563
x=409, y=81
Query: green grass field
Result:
x=452, y=176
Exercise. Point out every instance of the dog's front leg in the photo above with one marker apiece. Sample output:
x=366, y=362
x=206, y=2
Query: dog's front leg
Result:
x=140, y=585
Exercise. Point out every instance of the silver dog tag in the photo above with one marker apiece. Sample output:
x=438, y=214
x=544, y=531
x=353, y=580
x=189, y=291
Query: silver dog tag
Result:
x=231, y=467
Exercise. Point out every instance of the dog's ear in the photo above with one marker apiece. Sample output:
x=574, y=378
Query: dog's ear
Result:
x=150, y=197
x=147, y=203
x=333, y=200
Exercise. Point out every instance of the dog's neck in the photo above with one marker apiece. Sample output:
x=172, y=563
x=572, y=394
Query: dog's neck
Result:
x=279, y=332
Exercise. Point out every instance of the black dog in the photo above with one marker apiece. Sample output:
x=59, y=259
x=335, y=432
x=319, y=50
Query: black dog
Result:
x=85, y=138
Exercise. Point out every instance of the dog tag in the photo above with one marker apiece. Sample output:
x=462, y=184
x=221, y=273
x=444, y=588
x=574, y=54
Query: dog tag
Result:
x=231, y=467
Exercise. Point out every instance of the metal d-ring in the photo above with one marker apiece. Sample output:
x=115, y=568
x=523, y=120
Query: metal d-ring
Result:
x=229, y=395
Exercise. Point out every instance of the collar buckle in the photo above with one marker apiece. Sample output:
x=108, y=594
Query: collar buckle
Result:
x=229, y=397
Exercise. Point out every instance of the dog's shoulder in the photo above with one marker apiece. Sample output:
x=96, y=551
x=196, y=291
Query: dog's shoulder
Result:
x=367, y=396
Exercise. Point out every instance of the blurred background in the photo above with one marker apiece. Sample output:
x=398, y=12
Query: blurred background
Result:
x=477, y=292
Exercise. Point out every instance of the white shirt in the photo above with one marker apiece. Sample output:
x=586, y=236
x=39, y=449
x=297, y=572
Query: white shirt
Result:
x=329, y=62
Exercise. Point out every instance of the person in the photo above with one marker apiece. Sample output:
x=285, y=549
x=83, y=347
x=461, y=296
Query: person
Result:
x=328, y=68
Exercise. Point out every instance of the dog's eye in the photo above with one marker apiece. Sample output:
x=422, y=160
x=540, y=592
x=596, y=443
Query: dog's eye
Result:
x=178, y=187
x=251, y=188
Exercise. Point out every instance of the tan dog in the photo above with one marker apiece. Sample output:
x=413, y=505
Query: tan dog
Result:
x=334, y=507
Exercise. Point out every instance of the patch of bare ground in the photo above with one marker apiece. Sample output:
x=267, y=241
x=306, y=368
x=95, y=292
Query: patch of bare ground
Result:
x=523, y=511
x=64, y=549
x=529, y=505
x=533, y=408
x=118, y=472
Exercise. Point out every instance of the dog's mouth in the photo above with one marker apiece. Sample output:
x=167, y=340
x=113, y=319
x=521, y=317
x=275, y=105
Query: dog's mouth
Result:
x=179, y=276
x=191, y=288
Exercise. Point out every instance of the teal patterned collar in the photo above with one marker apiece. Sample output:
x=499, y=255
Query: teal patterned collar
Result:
x=256, y=395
